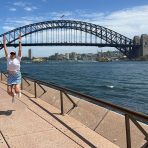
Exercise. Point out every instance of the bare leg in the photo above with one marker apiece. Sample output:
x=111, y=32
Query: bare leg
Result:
x=18, y=90
x=10, y=90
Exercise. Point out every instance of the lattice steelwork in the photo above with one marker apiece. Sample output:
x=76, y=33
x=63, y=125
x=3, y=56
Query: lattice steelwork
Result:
x=69, y=33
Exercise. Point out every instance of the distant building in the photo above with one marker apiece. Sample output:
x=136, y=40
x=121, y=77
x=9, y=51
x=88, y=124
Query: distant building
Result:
x=56, y=56
x=29, y=54
x=67, y=56
x=73, y=56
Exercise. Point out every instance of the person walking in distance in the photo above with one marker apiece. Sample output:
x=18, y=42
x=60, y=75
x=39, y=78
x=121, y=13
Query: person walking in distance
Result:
x=13, y=69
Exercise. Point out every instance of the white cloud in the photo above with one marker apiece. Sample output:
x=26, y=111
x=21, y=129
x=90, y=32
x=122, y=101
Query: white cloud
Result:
x=128, y=22
x=30, y=8
x=8, y=28
x=26, y=6
x=18, y=22
x=12, y=9
x=22, y=4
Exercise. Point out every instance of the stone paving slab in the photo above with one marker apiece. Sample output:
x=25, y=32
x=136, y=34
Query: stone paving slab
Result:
x=44, y=139
x=34, y=123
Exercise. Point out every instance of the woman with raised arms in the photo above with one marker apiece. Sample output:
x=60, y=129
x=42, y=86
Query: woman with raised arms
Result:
x=13, y=69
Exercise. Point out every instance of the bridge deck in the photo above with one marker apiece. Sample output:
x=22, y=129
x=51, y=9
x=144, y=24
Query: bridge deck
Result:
x=32, y=123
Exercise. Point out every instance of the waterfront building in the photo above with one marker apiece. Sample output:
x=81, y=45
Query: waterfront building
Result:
x=73, y=56
x=67, y=56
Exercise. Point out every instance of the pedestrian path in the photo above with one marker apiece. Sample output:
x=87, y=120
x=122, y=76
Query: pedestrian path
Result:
x=33, y=123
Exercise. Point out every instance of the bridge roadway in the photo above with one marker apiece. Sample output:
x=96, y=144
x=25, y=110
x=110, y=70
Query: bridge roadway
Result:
x=71, y=44
x=24, y=124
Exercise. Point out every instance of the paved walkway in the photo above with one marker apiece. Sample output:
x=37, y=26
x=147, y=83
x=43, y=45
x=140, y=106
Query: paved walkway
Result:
x=32, y=123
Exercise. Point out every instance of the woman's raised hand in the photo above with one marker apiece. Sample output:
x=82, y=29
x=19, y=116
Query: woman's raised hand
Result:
x=5, y=46
x=20, y=46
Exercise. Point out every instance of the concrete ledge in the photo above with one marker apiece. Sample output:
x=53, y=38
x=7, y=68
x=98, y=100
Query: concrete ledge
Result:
x=88, y=114
x=28, y=86
x=113, y=128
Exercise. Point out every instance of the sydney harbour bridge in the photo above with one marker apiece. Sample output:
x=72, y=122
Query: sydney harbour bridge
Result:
x=70, y=33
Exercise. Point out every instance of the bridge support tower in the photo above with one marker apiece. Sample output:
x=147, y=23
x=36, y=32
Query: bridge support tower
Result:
x=143, y=42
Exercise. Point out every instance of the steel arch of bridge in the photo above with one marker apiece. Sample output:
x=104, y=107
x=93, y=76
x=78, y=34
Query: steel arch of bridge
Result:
x=111, y=38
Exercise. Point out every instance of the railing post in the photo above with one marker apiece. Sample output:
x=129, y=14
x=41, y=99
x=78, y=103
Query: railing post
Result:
x=74, y=104
x=1, y=76
x=128, y=134
x=61, y=98
x=35, y=89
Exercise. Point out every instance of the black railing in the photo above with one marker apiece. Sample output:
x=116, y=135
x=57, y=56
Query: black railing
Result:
x=129, y=114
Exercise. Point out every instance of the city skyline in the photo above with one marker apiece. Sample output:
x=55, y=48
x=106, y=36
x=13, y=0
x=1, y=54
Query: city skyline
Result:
x=126, y=17
x=30, y=55
x=73, y=56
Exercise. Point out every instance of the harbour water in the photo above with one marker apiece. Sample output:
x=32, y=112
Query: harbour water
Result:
x=122, y=83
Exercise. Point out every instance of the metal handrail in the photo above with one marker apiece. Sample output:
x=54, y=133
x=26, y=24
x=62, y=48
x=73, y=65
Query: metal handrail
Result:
x=137, y=115
x=94, y=100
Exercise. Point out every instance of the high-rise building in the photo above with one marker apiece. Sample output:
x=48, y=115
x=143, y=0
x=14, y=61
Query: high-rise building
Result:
x=29, y=54
x=67, y=56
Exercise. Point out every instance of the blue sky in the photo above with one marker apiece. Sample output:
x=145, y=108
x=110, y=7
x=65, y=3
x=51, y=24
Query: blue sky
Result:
x=128, y=17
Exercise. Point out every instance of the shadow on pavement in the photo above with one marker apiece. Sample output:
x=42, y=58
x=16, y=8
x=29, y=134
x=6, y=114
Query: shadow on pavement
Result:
x=7, y=113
